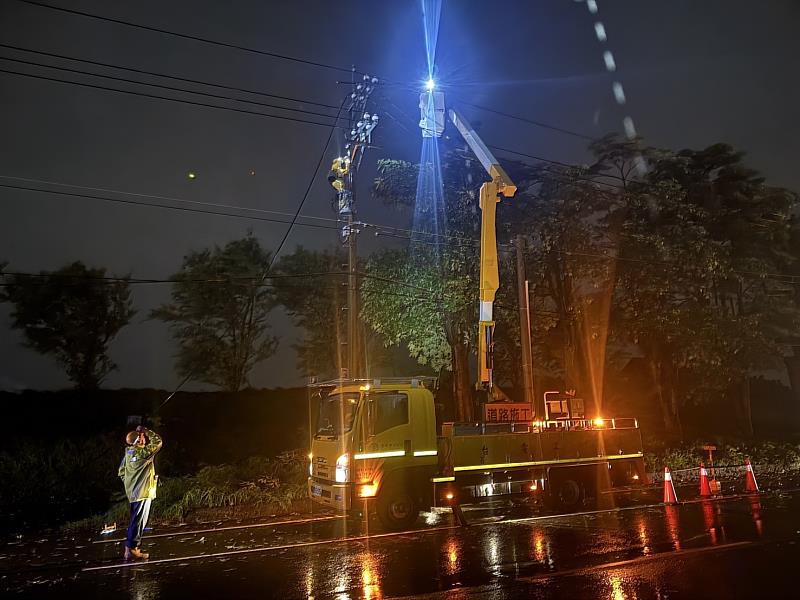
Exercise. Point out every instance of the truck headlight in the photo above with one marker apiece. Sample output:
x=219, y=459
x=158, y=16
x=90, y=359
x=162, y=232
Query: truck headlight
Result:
x=343, y=468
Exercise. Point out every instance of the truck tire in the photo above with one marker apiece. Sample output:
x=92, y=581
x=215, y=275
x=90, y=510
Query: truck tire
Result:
x=566, y=493
x=397, y=508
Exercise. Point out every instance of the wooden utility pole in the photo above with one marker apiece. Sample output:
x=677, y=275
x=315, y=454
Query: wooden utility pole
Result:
x=343, y=179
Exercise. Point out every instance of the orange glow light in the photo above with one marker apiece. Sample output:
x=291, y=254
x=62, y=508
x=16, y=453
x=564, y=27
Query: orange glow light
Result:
x=367, y=490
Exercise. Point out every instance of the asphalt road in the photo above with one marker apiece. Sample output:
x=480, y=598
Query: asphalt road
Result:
x=744, y=547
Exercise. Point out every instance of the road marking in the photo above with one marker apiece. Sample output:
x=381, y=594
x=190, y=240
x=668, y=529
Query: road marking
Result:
x=622, y=508
x=411, y=532
x=228, y=528
x=641, y=559
x=159, y=561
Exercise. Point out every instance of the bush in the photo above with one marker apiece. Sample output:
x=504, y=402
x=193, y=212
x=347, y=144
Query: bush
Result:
x=781, y=457
x=257, y=482
x=46, y=484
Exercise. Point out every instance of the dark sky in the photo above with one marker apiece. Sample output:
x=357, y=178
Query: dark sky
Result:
x=694, y=73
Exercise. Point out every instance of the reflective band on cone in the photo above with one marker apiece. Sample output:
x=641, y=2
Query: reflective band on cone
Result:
x=670, y=497
x=705, y=488
x=750, y=484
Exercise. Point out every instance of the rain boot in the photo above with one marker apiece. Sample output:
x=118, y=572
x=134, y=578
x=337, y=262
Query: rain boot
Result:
x=135, y=553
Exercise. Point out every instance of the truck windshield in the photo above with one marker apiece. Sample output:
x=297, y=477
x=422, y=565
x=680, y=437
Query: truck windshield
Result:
x=336, y=413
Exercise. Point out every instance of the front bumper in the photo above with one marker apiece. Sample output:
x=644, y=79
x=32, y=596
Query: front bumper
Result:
x=335, y=495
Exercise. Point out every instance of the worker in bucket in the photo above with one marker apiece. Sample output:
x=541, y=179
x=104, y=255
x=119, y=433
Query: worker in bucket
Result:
x=138, y=473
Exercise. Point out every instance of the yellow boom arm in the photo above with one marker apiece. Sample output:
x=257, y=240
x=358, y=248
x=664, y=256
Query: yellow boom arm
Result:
x=491, y=191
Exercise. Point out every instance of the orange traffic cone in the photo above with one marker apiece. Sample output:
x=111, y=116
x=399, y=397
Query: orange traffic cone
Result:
x=669, y=489
x=750, y=484
x=705, y=488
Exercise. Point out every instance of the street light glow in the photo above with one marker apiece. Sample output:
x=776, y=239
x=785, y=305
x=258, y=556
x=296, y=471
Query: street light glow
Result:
x=430, y=84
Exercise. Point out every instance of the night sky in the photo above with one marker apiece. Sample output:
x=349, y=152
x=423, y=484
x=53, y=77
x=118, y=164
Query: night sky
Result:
x=694, y=73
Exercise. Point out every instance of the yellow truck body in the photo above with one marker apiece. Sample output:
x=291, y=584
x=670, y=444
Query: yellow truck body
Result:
x=377, y=442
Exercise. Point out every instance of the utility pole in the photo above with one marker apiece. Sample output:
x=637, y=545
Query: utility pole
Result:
x=524, y=324
x=354, y=344
x=343, y=179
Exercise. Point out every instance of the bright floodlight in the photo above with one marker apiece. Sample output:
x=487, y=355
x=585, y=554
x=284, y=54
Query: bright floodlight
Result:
x=430, y=84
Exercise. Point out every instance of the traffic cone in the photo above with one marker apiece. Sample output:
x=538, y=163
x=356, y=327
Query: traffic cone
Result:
x=705, y=488
x=750, y=484
x=669, y=489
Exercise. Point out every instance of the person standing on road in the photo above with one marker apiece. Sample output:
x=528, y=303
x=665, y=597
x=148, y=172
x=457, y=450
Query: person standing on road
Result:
x=138, y=473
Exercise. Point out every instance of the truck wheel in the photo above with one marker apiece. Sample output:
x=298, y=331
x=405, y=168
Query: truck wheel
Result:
x=397, y=508
x=567, y=494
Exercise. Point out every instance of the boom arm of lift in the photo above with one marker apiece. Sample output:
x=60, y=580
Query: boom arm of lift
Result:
x=491, y=191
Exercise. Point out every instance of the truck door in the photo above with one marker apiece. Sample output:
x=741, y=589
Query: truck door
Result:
x=387, y=422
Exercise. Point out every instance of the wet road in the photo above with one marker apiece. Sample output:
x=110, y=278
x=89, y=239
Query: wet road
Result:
x=742, y=547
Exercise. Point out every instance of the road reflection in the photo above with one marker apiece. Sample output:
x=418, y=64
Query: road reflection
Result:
x=644, y=536
x=452, y=552
x=755, y=511
x=617, y=593
x=369, y=577
x=672, y=517
x=541, y=548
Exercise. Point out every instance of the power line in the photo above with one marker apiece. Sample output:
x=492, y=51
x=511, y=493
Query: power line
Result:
x=166, y=87
x=241, y=280
x=380, y=228
x=531, y=156
x=530, y=121
x=181, y=101
x=568, y=166
x=165, y=76
x=163, y=206
x=308, y=189
x=187, y=36
x=156, y=280
x=157, y=197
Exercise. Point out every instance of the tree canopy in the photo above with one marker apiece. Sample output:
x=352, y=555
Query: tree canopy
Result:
x=679, y=259
x=218, y=313
x=71, y=314
x=311, y=292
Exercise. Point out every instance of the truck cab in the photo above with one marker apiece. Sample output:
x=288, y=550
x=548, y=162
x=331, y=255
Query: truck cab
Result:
x=376, y=440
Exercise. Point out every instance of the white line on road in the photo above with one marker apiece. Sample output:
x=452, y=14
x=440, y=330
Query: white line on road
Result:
x=159, y=561
x=229, y=528
x=641, y=559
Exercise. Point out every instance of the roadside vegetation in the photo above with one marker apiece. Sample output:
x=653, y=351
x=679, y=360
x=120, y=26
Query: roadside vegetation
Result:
x=774, y=458
x=255, y=487
x=80, y=479
x=73, y=485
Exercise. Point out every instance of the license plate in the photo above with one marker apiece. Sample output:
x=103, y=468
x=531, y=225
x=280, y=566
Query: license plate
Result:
x=316, y=490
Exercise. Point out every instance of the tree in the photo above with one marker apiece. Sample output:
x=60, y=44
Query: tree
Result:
x=426, y=296
x=72, y=314
x=701, y=236
x=558, y=211
x=218, y=313
x=313, y=300
x=311, y=286
x=407, y=299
